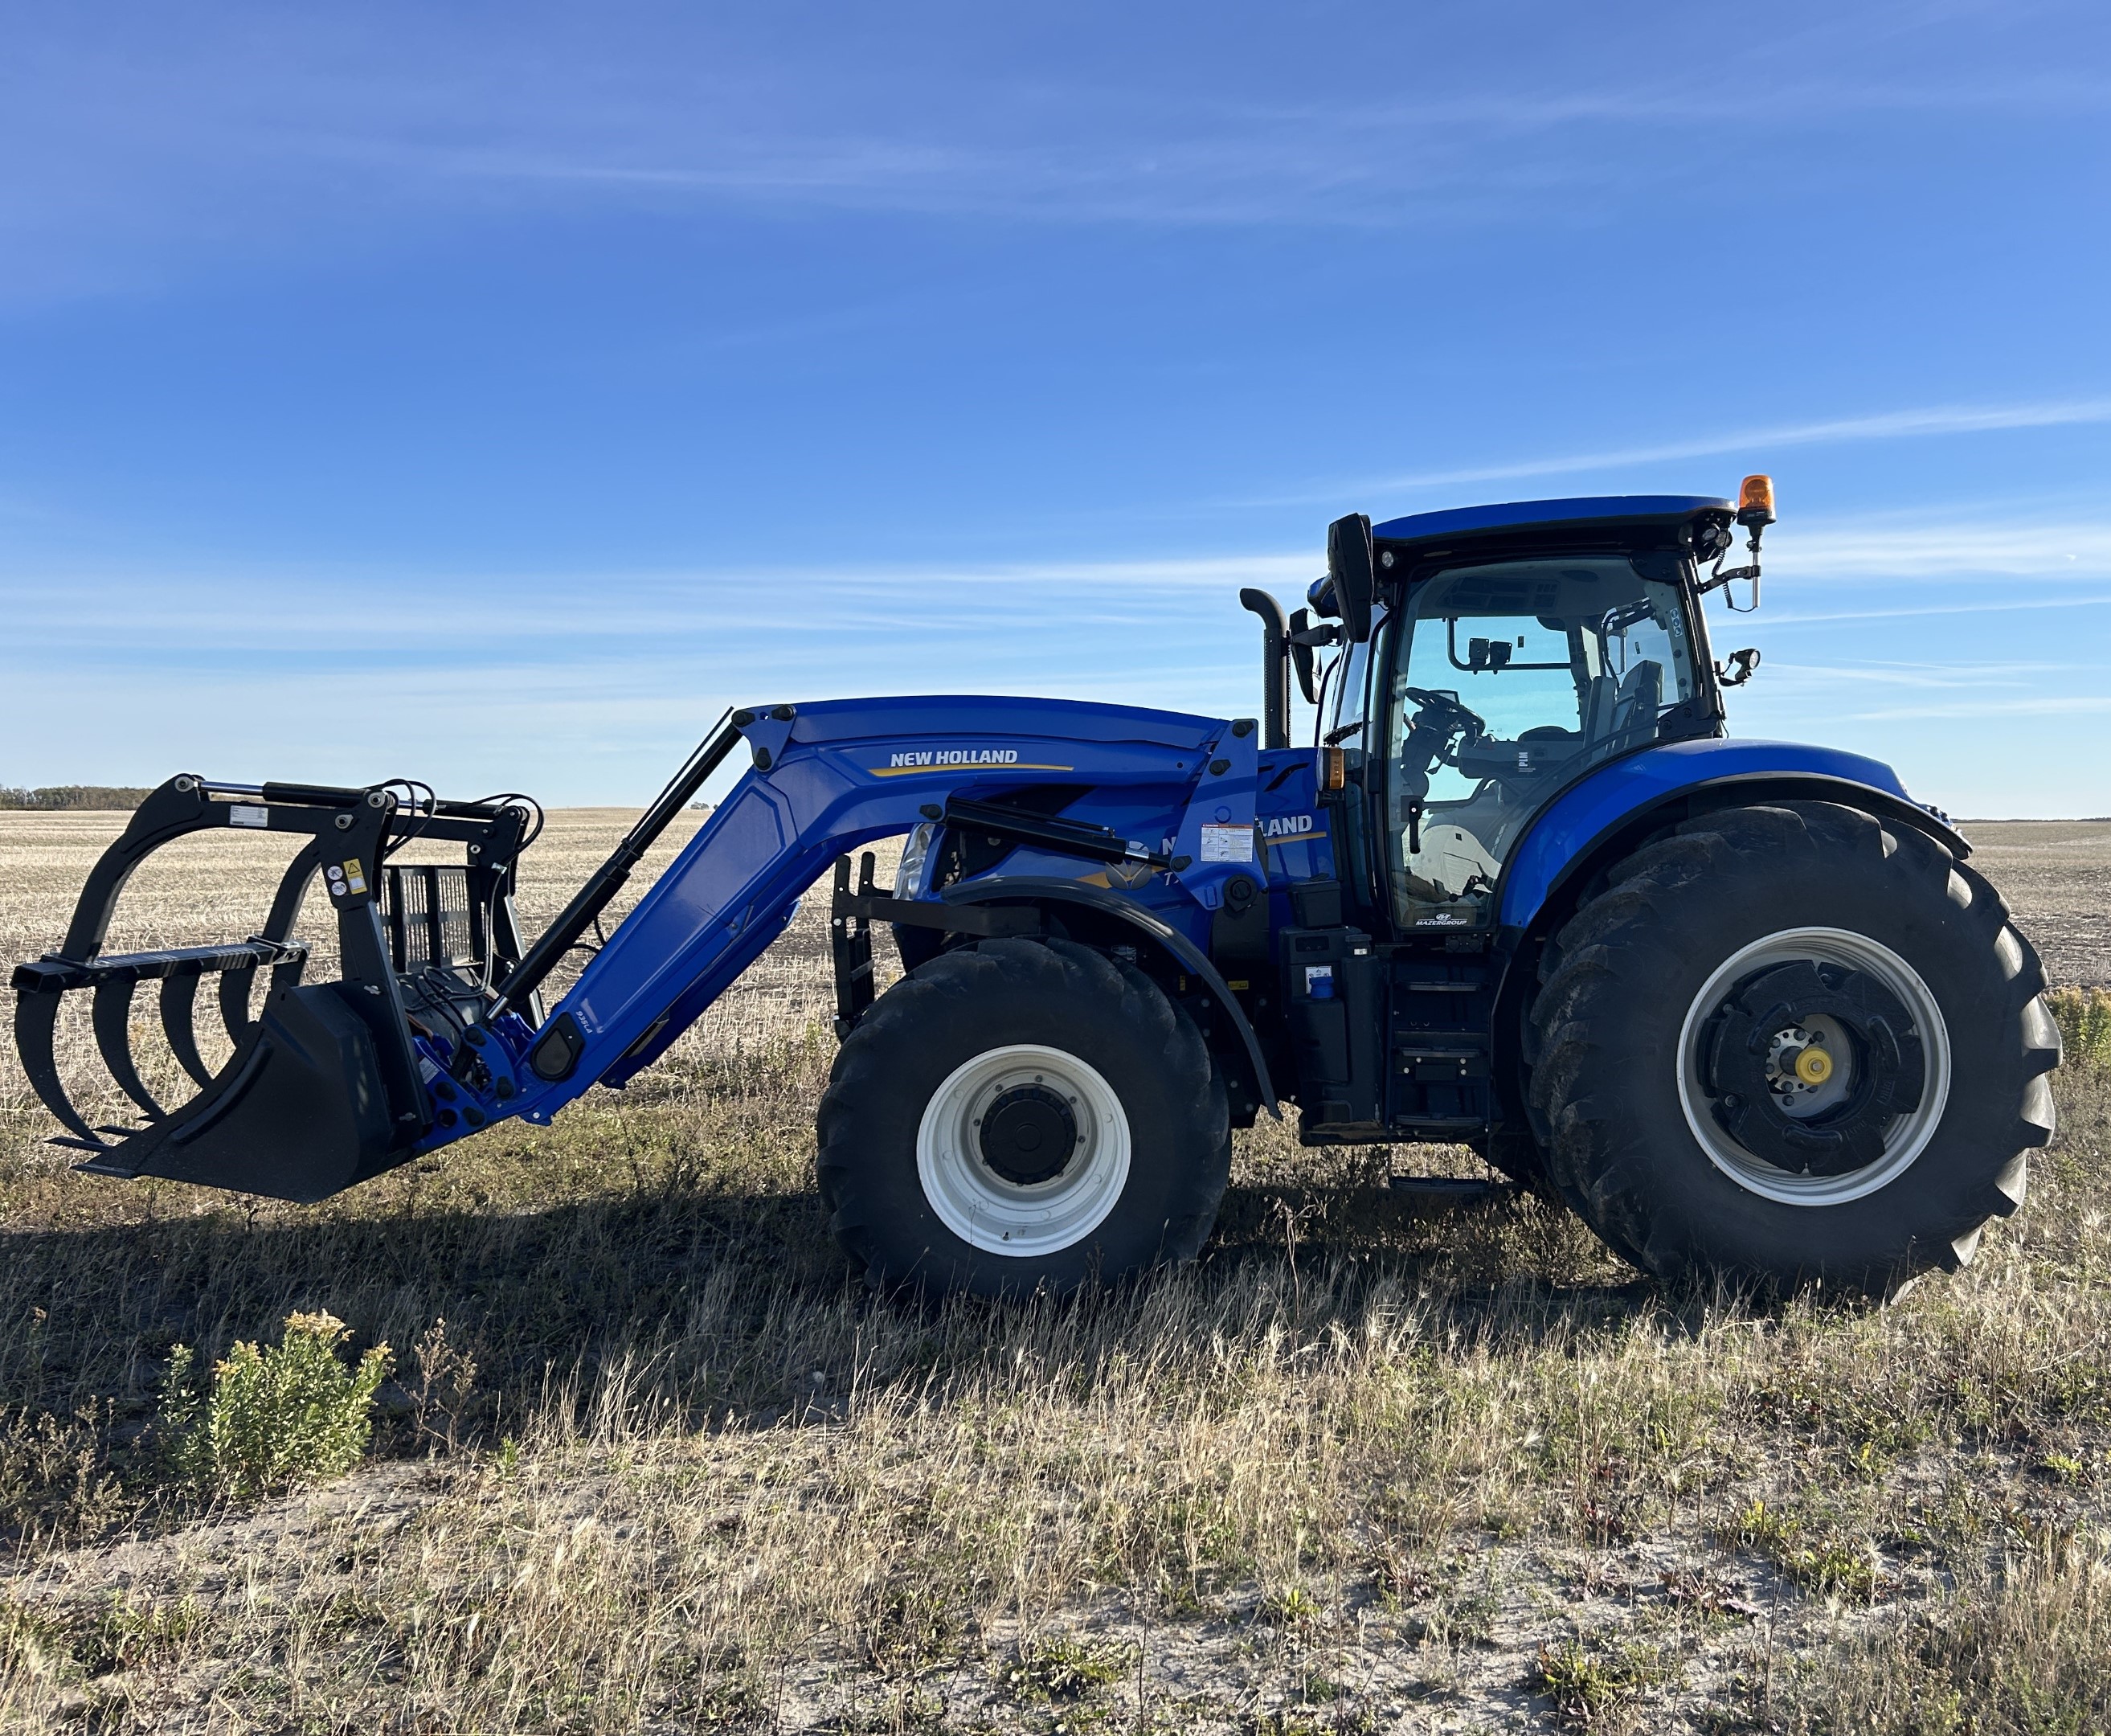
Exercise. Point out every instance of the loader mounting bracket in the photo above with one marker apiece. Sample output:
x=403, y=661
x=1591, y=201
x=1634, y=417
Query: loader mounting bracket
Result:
x=556, y=1053
x=851, y=915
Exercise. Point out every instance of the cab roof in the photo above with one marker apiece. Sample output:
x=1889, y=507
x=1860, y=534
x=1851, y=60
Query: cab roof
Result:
x=1527, y=516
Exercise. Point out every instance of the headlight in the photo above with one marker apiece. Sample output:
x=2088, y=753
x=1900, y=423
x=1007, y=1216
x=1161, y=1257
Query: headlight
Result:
x=909, y=877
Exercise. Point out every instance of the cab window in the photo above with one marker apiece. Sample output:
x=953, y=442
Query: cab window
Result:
x=1506, y=681
x=1348, y=704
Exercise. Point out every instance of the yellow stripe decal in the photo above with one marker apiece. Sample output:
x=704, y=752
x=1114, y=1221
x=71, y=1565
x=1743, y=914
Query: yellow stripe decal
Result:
x=905, y=772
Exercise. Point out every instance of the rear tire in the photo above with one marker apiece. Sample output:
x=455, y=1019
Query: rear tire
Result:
x=1793, y=1044
x=1022, y=1115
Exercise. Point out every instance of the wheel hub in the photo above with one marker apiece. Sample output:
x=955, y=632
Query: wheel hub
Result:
x=1023, y=1150
x=1028, y=1135
x=1802, y=1060
x=1810, y=1064
x=1778, y=1090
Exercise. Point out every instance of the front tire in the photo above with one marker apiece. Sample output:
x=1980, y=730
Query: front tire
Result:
x=1793, y=1044
x=1022, y=1115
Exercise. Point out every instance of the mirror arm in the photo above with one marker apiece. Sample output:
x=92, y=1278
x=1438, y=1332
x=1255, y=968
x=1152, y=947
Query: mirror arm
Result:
x=1718, y=578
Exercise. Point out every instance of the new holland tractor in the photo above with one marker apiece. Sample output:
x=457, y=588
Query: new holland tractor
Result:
x=1742, y=1005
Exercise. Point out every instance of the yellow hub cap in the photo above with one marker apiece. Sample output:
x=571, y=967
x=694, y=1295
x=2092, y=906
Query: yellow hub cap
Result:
x=1813, y=1066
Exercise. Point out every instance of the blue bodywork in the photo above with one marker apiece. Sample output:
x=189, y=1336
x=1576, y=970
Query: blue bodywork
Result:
x=1285, y=922
x=841, y=774
x=1537, y=515
x=1198, y=792
x=1596, y=804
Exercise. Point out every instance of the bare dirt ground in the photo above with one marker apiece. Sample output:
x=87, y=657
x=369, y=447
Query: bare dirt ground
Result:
x=651, y=1460
x=2056, y=875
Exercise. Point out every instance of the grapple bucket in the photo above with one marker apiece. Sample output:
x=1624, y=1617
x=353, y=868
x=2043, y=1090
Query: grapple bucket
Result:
x=328, y=1084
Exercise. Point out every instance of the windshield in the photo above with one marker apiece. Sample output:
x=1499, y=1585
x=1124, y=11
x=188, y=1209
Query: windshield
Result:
x=1507, y=680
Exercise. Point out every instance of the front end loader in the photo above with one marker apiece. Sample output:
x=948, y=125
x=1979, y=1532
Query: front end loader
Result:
x=1744, y=1006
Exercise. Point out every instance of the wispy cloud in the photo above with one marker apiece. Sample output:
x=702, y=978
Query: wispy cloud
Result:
x=1937, y=676
x=336, y=610
x=204, y=138
x=1914, y=612
x=343, y=612
x=137, y=660
x=1888, y=424
x=2069, y=704
x=1135, y=151
x=2008, y=543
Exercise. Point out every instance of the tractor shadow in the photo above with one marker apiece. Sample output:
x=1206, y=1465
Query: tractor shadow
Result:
x=725, y=1306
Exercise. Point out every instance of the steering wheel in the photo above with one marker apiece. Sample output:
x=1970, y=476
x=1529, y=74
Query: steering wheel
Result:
x=1439, y=719
x=1440, y=716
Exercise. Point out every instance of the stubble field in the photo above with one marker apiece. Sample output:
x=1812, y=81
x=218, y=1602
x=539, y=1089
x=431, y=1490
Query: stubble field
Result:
x=651, y=1460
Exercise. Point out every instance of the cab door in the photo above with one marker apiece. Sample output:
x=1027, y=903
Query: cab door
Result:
x=1499, y=684
x=1505, y=682
x=1356, y=809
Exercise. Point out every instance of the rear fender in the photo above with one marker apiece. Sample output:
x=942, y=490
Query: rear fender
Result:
x=1608, y=811
x=1243, y=1056
x=1613, y=812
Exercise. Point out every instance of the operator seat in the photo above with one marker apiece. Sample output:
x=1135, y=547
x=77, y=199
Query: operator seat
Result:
x=1635, y=706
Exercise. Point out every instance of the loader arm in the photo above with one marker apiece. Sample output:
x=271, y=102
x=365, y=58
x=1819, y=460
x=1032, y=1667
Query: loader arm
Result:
x=825, y=778
x=435, y=1028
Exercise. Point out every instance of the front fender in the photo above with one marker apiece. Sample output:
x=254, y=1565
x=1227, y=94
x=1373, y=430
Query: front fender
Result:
x=1572, y=832
x=1034, y=889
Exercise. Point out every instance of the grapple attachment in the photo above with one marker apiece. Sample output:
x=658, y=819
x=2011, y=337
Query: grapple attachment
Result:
x=327, y=1085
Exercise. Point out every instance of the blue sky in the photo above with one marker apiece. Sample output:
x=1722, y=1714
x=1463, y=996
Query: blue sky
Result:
x=494, y=394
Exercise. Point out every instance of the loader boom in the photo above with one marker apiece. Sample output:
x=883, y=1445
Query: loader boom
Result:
x=412, y=1050
x=828, y=778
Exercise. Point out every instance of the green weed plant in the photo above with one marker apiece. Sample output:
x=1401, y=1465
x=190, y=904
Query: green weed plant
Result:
x=273, y=1416
x=2084, y=1017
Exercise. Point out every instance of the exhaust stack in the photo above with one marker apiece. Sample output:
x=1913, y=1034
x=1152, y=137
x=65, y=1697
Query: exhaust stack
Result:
x=1274, y=667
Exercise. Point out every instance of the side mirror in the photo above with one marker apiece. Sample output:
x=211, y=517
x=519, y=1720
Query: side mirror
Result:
x=1738, y=670
x=1300, y=656
x=1353, y=568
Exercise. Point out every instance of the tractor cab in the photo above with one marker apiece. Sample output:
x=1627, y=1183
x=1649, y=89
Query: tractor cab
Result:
x=1493, y=655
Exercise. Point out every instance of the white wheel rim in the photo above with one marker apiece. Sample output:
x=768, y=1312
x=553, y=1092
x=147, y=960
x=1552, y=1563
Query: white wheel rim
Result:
x=1907, y=1135
x=999, y=1215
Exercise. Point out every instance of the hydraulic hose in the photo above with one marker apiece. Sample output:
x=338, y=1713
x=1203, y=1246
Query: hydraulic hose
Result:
x=606, y=881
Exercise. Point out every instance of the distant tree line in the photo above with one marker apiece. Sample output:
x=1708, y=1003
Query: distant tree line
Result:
x=63, y=796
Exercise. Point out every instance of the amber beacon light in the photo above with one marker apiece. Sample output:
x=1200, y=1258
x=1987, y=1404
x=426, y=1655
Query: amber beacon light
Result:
x=1755, y=502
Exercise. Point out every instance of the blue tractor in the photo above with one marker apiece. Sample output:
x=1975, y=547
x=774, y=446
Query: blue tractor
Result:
x=1744, y=1006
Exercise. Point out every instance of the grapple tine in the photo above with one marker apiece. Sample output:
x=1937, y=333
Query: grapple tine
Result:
x=178, y=1006
x=234, y=1002
x=113, y=1036
x=36, y=1026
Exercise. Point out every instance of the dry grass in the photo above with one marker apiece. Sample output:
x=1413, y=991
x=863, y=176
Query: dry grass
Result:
x=651, y=1462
